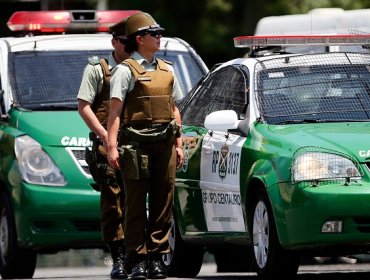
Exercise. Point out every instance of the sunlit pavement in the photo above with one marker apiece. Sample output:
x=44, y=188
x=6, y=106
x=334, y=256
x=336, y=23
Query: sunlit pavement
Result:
x=93, y=272
x=208, y=271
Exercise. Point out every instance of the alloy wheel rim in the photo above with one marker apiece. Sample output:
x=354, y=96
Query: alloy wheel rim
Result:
x=260, y=234
x=4, y=235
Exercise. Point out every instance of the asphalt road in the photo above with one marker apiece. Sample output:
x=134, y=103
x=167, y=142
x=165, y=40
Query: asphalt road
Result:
x=306, y=272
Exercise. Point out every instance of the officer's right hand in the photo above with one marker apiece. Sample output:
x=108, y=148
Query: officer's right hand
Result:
x=113, y=157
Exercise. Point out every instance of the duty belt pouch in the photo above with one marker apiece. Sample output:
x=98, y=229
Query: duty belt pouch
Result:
x=144, y=165
x=134, y=163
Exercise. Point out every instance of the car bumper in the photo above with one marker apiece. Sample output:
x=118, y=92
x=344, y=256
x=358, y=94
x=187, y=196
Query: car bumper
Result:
x=57, y=217
x=306, y=210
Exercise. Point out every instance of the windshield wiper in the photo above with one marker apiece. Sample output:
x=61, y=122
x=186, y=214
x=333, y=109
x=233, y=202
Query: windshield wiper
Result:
x=299, y=121
x=320, y=121
x=51, y=106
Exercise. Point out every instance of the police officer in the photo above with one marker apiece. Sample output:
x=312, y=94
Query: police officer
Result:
x=93, y=106
x=145, y=123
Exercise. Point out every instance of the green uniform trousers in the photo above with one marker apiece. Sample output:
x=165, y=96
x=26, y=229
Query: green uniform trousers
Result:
x=111, y=201
x=112, y=212
x=149, y=232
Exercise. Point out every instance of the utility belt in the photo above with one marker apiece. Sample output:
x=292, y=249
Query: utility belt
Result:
x=134, y=159
x=149, y=133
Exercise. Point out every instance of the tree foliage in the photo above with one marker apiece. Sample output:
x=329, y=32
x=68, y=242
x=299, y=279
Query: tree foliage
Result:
x=210, y=25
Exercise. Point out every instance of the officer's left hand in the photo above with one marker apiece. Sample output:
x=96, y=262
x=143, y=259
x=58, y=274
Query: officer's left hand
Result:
x=179, y=157
x=113, y=158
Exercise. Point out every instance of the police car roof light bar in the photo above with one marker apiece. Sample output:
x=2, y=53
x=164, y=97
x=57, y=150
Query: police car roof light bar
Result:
x=313, y=40
x=62, y=21
x=108, y=18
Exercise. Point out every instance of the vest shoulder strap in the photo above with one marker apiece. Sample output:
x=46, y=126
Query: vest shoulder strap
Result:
x=140, y=70
x=162, y=64
x=167, y=61
x=105, y=67
x=135, y=65
x=104, y=94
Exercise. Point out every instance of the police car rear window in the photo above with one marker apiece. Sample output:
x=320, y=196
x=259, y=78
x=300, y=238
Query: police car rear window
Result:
x=186, y=67
x=323, y=88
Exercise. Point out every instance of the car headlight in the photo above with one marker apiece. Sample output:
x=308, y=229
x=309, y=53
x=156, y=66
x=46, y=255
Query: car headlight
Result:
x=312, y=166
x=35, y=166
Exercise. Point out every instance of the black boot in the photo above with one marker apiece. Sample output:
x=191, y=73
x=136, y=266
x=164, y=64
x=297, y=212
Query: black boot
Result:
x=139, y=266
x=157, y=269
x=118, y=254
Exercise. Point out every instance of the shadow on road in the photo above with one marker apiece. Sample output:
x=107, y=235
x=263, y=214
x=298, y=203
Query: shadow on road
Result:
x=302, y=276
x=335, y=276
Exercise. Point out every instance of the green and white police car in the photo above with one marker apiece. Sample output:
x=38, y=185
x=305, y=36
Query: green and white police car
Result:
x=46, y=201
x=277, y=157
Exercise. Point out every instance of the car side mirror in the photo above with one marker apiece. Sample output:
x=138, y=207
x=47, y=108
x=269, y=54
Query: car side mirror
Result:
x=222, y=120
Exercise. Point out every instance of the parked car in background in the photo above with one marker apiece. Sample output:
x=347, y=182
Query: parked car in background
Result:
x=46, y=201
x=277, y=157
x=327, y=21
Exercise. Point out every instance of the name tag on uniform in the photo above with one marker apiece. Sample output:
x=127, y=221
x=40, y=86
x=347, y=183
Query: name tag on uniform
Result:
x=144, y=78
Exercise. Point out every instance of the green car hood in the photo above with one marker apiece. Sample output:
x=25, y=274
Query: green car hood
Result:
x=53, y=128
x=352, y=138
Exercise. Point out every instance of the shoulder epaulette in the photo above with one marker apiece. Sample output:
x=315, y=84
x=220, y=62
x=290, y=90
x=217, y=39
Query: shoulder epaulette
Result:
x=162, y=64
x=94, y=60
x=167, y=61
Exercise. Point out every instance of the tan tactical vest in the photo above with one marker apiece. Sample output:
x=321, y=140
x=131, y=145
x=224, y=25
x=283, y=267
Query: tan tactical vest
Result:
x=150, y=100
x=100, y=105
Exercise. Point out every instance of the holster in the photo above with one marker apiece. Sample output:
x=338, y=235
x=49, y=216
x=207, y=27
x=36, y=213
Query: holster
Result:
x=101, y=171
x=134, y=163
x=93, y=168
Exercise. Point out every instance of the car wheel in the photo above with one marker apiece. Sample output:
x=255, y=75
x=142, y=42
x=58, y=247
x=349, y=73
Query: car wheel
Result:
x=184, y=260
x=233, y=259
x=269, y=257
x=15, y=262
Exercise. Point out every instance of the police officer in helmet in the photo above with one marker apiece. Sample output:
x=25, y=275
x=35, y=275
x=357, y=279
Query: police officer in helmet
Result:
x=93, y=106
x=144, y=142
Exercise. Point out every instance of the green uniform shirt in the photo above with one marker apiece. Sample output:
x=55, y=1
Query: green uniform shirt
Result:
x=123, y=81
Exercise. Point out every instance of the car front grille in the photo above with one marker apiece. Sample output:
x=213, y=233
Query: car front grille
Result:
x=78, y=156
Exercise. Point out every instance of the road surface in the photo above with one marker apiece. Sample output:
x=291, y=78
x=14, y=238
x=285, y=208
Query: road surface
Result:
x=208, y=272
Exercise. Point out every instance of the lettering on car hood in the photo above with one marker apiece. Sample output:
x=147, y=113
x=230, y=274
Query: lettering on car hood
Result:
x=75, y=141
x=55, y=128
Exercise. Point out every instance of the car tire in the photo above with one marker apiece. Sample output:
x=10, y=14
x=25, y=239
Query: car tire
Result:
x=184, y=260
x=233, y=259
x=15, y=262
x=270, y=259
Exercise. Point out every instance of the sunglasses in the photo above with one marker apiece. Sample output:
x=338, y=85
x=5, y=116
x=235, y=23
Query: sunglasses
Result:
x=122, y=41
x=157, y=33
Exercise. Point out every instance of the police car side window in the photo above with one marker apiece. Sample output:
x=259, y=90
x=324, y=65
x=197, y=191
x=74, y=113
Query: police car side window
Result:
x=224, y=89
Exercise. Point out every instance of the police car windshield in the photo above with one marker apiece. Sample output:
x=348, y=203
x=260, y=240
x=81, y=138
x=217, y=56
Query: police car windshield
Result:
x=50, y=80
